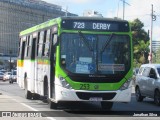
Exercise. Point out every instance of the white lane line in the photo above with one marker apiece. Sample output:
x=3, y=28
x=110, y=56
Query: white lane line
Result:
x=50, y=118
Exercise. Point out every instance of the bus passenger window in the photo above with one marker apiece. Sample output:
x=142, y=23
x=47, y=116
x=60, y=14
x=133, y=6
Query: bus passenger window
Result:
x=37, y=44
x=33, y=51
x=19, y=49
x=22, y=48
x=40, y=45
x=46, y=44
x=26, y=47
x=29, y=46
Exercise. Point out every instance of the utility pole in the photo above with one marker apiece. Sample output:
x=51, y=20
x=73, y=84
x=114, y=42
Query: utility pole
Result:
x=124, y=2
x=153, y=18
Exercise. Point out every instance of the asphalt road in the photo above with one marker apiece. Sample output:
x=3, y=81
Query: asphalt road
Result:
x=78, y=110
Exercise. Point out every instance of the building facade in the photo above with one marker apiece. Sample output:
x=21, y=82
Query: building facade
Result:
x=155, y=45
x=18, y=15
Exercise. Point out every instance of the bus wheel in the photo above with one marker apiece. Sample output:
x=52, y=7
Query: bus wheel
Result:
x=106, y=105
x=46, y=92
x=52, y=105
x=28, y=94
x=35, y=96
x=157, y=97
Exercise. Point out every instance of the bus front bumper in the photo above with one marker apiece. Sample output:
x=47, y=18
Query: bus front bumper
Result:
x=63, y=94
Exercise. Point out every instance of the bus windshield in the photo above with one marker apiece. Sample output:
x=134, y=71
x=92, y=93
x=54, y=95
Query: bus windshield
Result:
x=95, y=54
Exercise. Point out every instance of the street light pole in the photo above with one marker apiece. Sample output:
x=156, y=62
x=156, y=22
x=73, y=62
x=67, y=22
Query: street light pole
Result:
x=153, y=18
x=124, y=2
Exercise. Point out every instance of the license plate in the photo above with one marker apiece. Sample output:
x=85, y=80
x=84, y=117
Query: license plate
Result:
x=95, y=99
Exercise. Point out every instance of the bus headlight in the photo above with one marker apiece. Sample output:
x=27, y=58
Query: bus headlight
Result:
x=64, y=83
x=126, y=84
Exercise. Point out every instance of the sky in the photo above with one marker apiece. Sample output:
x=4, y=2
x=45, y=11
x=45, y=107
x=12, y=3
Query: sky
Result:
x=140, y=9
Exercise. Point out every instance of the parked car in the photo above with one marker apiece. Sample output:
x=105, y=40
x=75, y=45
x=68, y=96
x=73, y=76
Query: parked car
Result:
x=13, y=77
x=6, y=76
x=147, y=83
x=3, y=71
x=1, y=75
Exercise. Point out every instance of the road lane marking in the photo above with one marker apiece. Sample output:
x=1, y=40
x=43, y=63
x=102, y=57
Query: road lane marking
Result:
x=50, y=118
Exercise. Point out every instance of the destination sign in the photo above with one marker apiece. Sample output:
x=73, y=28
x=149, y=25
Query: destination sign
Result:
x=95, y=25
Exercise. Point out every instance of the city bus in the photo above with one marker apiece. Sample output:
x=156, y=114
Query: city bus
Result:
x=78, y=59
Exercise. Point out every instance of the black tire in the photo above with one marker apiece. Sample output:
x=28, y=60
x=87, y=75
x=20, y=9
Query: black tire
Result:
x=106, y=105
x=46, y=92
x=28, y=94
x=52, y=105
x=35, y=96
x=139, y=97
x=157, y=97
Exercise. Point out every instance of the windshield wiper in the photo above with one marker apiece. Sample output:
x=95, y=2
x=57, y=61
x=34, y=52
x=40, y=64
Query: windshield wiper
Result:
x=107, y=42
x=85, y=40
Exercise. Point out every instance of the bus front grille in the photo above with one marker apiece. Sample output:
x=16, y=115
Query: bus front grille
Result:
x=88, y=95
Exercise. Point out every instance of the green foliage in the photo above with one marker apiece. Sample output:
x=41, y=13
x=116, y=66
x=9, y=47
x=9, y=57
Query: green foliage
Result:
x=138, y=32
x=140, y=43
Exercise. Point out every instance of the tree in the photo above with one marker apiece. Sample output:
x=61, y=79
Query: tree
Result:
x=140, y=42
x=156, y=56
x=141, y=51
x=138, y=32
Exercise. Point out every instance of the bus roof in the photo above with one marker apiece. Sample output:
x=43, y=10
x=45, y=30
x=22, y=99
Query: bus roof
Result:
x=91, y=18
x=58, y=20
x=40, y=26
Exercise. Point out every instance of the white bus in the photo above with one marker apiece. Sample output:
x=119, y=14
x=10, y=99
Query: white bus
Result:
x=77, y=59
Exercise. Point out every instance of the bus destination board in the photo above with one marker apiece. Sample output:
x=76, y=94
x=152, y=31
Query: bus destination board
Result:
x=95, y=25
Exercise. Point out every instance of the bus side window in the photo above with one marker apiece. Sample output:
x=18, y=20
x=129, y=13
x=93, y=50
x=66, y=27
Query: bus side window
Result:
x=55, y=42
x=22, y=48
x=28, y=46
x=40, y=44
x=37, y=44
x=19, y=49
x=47, y=43
x=33, y=49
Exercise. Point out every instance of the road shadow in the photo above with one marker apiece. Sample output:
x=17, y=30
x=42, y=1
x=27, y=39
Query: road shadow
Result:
x=74, y=106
